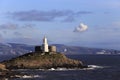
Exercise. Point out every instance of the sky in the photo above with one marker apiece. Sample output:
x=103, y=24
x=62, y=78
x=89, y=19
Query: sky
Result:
x=87, y=23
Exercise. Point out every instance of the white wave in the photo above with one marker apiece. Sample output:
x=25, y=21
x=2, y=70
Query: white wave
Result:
x=93, y=67
x=61, y=69
x=58, y=69
x=28, y=76
x=52, y=69
x=65, y=69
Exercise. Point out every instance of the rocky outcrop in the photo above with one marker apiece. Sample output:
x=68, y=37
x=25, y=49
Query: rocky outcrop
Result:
x=2, y=67
x=38, y=61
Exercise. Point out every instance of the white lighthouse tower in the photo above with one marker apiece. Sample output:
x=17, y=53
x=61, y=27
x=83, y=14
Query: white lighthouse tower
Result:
x=45, y=45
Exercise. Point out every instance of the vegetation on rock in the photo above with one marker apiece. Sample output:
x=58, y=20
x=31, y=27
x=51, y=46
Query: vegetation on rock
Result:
x=2, y=67
x=38, y=61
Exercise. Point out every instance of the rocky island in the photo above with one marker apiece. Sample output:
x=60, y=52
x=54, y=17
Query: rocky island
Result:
x=36, y=61
x=44, y=57
x=46, y=61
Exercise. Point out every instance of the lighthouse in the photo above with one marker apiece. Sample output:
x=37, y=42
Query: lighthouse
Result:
x=42, y=49
x=45, y=45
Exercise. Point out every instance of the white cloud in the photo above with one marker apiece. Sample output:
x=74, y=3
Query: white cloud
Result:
x=81, y=28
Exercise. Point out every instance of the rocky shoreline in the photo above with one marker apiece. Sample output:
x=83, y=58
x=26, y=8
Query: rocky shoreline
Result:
x=17, y=73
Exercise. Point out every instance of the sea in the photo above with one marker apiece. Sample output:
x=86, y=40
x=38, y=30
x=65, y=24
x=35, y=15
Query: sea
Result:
x=101, y=67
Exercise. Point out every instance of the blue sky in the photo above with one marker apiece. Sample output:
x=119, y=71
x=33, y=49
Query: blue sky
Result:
x=89, y=23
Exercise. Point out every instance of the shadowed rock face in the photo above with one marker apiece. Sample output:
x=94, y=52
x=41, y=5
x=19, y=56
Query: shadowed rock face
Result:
x=46, y=61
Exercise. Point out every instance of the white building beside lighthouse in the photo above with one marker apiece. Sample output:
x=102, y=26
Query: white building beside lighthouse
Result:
x=45, y=45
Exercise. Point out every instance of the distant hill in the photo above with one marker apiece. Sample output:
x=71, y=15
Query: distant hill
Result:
x=13, y=49
x=84, y=50
x=10, y=50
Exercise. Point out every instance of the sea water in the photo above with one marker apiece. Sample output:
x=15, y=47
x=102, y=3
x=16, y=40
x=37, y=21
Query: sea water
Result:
x=101, y=67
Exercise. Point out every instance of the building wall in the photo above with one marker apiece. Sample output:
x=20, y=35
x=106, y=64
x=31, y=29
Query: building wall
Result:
x=52, y=48
x=38, y=49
